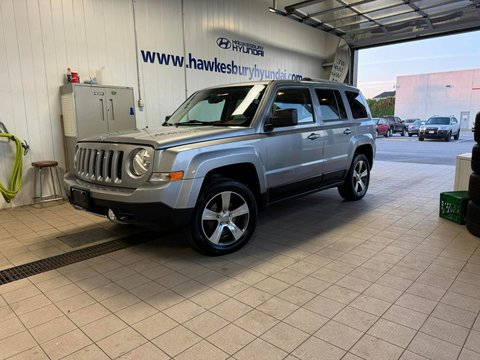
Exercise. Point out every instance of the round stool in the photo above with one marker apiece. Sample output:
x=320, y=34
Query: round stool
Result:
x=49, y=166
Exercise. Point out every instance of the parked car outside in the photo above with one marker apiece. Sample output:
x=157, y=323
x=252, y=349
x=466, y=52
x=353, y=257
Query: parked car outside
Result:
x=440, y=127
x=414, y=126
x=225, y=153
x=396, y=125
x=382, y=127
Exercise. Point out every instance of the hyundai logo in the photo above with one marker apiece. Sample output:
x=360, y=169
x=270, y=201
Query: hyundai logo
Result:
x=224, y=43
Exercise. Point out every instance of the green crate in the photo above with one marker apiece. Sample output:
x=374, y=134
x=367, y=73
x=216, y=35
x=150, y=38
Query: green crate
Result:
x=453, y=206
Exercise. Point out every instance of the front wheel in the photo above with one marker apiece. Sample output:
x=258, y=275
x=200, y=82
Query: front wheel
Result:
x=448, y=137
x=420, y=138
x=410, y=134
x=357, y=180
x=224, y=219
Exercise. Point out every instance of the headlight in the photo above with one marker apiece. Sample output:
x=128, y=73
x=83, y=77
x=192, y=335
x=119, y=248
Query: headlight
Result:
x=141, y=162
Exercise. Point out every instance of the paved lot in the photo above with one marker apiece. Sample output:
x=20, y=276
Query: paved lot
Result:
x=409, y=149
x=383, y=278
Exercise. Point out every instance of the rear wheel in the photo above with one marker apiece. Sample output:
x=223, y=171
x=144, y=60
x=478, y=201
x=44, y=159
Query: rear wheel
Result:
x=420, y=138
x=358, y=178
x=224, y=219
x=410, y=134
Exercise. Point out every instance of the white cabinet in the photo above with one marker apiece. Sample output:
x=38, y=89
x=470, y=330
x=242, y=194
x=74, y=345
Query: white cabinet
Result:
x=90, y=110
x=463, y=169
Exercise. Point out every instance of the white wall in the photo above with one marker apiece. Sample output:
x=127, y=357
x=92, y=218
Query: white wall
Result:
x=422, y=96
x=39, y=39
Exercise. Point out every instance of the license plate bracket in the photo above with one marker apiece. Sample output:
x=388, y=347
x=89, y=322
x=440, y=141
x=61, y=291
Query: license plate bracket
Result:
x=79, y=198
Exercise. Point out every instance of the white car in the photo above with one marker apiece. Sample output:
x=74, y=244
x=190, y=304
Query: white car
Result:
x=440, y=127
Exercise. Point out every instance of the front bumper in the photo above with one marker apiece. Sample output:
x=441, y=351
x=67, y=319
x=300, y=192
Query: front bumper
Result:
x=148, y=205
x=434, y=134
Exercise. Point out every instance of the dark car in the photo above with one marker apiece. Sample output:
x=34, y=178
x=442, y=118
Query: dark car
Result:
x=382, y=127
x=413, y=126
x=396, y=125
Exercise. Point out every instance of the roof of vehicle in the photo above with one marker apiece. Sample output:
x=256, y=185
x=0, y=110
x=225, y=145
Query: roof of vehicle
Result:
x=288, y=82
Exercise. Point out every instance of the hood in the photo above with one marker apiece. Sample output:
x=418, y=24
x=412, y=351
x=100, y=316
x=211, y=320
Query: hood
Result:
x=166, y=137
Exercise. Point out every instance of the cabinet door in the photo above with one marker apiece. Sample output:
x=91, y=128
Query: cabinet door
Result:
x=120, y=109
x=91, y=110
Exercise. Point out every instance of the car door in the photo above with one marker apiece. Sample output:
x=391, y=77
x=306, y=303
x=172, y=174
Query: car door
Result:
x=338, y=128
x=294, y=154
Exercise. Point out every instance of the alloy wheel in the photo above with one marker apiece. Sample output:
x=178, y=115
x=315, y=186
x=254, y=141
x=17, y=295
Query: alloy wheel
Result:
x=225, y=218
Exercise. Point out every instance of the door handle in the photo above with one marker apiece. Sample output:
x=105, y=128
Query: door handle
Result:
x=112, y=109
x=103, y=111
x=313, y=136
x=347, y=131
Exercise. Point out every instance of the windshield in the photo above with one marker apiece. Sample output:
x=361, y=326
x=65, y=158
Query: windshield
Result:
x=417, y=122
x=438, y=121
x=227, y=106
x=375, y=120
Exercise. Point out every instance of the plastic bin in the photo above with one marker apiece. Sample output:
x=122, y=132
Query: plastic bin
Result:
x=453, y=206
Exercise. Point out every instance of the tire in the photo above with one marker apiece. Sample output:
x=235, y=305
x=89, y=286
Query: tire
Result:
x=357, y=180
x=410, y=134
x=420, y=138
x=476, y=159
x=215, y=230
x=448, y=137
x=474, y=188
x=472, y=219
x=457, y=136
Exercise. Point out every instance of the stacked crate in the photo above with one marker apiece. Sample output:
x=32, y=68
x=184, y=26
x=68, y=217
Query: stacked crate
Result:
x=473, y=208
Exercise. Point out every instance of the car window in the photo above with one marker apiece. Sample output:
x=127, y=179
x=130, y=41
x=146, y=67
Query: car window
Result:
x=298, y=99
x=357, y=104
x=331, y=104
x=438, y=121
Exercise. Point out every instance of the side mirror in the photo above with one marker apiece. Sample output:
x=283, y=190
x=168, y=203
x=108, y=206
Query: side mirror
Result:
x=282, y=117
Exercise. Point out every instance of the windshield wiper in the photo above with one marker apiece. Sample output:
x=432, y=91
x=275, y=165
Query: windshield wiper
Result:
x=194, y=122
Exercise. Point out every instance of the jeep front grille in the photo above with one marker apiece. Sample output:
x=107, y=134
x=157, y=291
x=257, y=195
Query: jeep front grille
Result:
x=99, y=165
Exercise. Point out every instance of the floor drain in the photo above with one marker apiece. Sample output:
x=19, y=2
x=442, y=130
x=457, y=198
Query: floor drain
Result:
x=57, y=261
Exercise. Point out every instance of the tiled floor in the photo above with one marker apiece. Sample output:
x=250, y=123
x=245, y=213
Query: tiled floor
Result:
x=382, y=278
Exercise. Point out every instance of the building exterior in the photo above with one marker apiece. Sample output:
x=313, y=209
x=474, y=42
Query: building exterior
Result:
x=447, y=93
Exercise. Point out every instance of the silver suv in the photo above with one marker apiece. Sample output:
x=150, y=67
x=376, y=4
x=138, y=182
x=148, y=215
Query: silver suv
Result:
x=440, y=127
x=226, y=152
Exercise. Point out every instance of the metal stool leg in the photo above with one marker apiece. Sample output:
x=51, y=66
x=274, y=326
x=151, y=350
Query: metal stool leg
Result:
x=60, y=183
x=53, y=184
x=41, y=185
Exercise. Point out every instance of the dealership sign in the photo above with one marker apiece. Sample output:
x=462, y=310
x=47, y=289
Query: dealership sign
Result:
x=240, y=46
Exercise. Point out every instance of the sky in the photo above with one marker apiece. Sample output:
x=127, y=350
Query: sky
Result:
x=379, y=67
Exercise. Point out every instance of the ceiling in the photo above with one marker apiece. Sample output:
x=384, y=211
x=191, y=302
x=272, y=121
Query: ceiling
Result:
x=367, y=23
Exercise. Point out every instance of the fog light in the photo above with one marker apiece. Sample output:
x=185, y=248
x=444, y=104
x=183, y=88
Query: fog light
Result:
x=111, y=215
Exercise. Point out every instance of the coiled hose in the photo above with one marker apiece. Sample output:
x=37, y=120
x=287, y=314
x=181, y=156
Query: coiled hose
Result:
x=16, y=178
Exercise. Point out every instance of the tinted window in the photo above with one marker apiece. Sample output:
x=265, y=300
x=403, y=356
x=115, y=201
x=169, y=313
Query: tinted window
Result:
x=357, y=105
x=438, y=121
x=331, y=104
x=298, y=99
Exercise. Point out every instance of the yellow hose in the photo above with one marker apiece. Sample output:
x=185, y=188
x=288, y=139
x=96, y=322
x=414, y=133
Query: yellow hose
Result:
x=16, y=179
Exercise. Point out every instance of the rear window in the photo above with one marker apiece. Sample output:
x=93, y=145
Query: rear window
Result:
x=331, y=104
x=358, y=105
